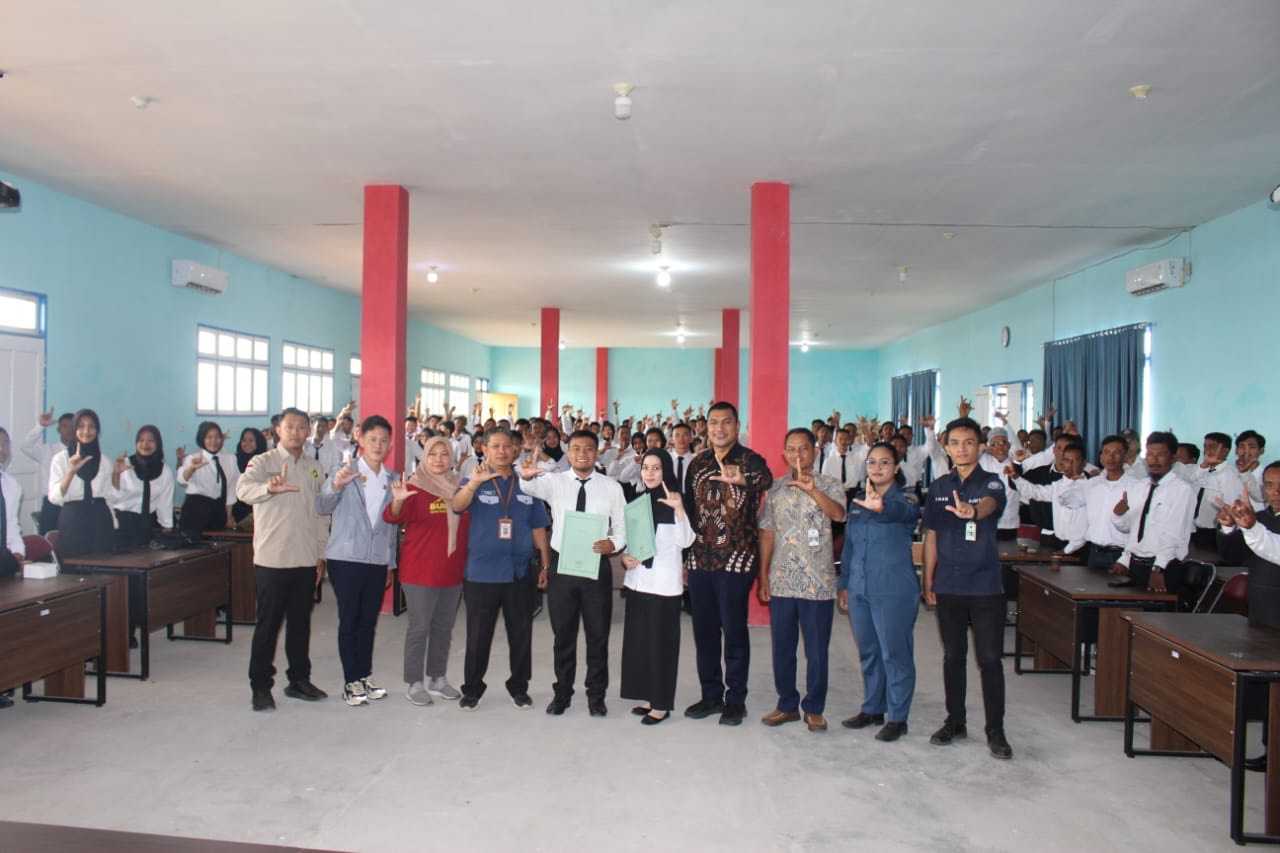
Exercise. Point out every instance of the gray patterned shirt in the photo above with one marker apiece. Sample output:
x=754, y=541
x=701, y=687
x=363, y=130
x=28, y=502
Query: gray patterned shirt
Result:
x=803, y=563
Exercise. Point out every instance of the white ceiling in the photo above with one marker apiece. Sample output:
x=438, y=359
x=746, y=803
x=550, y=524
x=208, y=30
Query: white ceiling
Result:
x=270, y=116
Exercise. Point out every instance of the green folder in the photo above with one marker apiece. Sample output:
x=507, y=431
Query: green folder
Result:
x=640, y=539
x=581, y=531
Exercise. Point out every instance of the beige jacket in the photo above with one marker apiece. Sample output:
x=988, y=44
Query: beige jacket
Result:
x=287, y=531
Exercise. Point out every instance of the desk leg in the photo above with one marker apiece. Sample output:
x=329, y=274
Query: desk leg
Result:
x=1109, y=670
x=66, y=684
x=244, y=585
x=1166, y=738
x=117, y=593
x=1272, y=799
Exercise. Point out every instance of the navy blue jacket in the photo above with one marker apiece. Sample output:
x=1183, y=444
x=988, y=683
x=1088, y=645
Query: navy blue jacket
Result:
x=876, y=559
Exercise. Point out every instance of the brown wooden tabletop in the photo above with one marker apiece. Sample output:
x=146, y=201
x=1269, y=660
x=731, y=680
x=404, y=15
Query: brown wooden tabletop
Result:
x=1227, y=639
x=19, y=592
x=143, y=558
x=230, y=535
x=1011, y=552
x=1084, y=584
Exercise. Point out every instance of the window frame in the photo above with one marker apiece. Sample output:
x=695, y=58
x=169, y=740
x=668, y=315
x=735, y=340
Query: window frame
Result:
x=319, y=372
x=235, y=362
x=41, y=304
x=431, y=390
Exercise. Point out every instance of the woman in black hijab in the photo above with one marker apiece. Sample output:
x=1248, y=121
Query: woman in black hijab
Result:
x=81, y=485
x=252, y=443
x=651, y=632
x=144, y=490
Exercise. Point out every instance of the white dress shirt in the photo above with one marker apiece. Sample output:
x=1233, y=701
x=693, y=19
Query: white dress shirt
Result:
x=128, y=497
x=412, y=454
x=328, y=455
x=375, y=489
x=1070, y=517
x=675, y=466
x=1009, y=519
x=1099, y=497
x=1168, y=527
x=468, y=467
x=666, y=576
x=204, y=480
x=1261, y=541
x=852, y=465
x=626, y=468
x=102, y=487
x=560, y=491
x=1252, y=481
x=12, y=491
x=1221, y=482
x=35, y=448
x=1137, y=469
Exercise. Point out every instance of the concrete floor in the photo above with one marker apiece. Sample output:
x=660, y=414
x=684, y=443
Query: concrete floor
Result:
x=183, y=754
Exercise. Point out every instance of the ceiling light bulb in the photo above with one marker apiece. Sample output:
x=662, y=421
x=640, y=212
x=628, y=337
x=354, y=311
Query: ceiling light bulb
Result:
x=902, y=275
x=432, y=276
x=622, y=103
x=1140, y=91
x=680, y=339
x=140, y=101
x=948, y=235
x=562, y=345
x=804, y=346
x=664, y=277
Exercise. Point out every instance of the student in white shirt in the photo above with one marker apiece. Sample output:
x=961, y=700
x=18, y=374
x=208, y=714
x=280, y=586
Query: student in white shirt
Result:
x=1070, y=519
x=1135, y=465
x=80, y=483
x=681, y=452
x=996, y=459
x=209, y=475
x=12, y=549
x=575, y=600
x=626, y=468
x=143, y=486
x=825, y=449
x=1249, y=448
x=1216, y=482
x=1157, y=517
x=1099, y=496
x=847, y=462
x=321, y=447
x=35, y=448
x=651, y=633
x=252, y=443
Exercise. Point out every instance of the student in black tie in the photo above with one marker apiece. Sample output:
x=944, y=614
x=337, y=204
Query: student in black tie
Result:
x=681, y=451
x=81, y=485
x=574, y=600
x=1157, y=515
x=210, y=476
x=143, y=490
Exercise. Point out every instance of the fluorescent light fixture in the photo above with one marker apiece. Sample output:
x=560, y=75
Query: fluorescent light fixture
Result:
x=664, y=277
x=433, y=275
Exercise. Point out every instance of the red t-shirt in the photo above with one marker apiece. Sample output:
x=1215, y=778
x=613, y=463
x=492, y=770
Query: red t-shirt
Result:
x=424, y=558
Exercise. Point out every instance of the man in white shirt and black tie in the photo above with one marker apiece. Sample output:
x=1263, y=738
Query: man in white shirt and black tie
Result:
x=319, y=446
x=846, y=462
x=1215, y=482
x=574, y=600
x=681, y=450
x=1157, y=514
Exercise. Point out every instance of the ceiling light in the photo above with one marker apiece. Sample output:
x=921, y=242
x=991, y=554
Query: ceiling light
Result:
x=562, y=344
x=902, y=275
x=680, y=339
x=432, y=276
x=948, y=235
x=664, y=277
x=622, y=103
x=804, y=346
x=655, y=245
x=1140, y=91
x=141, y=101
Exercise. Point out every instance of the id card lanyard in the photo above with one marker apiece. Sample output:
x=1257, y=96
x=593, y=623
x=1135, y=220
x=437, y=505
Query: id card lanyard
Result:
x=504, y=523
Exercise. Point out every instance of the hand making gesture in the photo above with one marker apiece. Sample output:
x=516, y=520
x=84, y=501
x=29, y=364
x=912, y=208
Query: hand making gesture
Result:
x=76, y=462
x=345, y=475
x=873, y=501
x=672, y=500
x=802, y=479
x=400, y=492
x=280, y=483
x=962, y=509
x=965, y=407
x=483, y=473
x=730, y=474
x=530, y=468
x=1242, y=512
x=122, y=465
x=46, y=418
x=1122, y=505
x=196, y=461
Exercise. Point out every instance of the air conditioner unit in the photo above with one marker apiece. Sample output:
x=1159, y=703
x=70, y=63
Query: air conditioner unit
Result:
x=1172, y=272
x=199, y=277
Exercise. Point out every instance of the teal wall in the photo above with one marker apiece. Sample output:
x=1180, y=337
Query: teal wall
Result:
x=121, y=340
x=1211, y=340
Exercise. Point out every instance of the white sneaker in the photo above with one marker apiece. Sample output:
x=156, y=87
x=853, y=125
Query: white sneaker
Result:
x=418, y=694
x=373, y=691
x=442, y=688
x=354, y=694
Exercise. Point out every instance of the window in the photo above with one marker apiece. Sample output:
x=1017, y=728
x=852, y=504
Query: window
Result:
x=21, y=312
x=307, y=379
x=1015, y=400
x=231, y=373
x=356, y=369
x=1147, y=394
x=460, y=393
x=433, y=391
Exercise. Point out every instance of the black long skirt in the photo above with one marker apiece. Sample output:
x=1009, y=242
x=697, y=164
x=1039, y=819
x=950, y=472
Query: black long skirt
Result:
x=651, y=649
x=85, y=527
x=200, y=513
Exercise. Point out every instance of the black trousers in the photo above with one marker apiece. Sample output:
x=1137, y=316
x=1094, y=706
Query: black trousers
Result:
x=985, y=614
x=284, y=597
x=483, y=601
x=47, y=519
x=359, y=588
x=1102, y=556
x=573, y=600
x=1207, y=538
x=720, y=602
x=200, y=513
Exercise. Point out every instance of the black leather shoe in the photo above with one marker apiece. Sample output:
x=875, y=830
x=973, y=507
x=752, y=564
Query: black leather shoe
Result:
x=6, y=701
x=1257, y=765
x=262, y=701
x=950, y=731
x=557, y=707
x=733, y=714
x=861, y=721
x=703, y=709
x=597, y=708
x=305, y=691
x=641, y=710
x=650, y=720
x=998, y=745
x=891, y=731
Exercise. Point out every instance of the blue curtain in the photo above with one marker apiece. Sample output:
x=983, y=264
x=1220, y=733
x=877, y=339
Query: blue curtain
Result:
x=1096, y=381
x=923, y=387
x=901, y=391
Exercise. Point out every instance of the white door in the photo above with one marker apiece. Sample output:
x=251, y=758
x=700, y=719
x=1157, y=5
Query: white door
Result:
x=21, y=398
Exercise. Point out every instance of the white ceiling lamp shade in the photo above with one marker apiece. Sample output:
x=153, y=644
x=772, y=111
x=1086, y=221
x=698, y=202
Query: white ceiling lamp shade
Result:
x=562, y=343
x=1141, y=91
x=902, y=274
x=141, y=102
x=622, y=103
x=433, y=275
x=664, y=277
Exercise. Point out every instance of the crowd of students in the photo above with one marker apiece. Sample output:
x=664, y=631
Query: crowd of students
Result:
x=483, y=508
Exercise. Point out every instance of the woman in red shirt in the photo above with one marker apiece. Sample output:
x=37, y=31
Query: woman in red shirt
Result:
x=432, y=558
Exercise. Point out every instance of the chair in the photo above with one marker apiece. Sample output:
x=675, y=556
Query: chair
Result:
x=37, y=547
x=1233, y=597
x=1197, y=581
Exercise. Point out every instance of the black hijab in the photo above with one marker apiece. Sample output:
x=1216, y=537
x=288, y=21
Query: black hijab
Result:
x=662, y=514
x=259, y=446
x=553, y=453
x=148, y=467
x=90, y=469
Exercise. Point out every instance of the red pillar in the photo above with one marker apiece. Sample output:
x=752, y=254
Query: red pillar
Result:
x=602, y=382
x=729, y=350
x=383, y=308
x=550, y=360
x=717, y=388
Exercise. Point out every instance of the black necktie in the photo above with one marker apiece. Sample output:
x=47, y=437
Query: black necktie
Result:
x=927, y=477
x=1200, y=500
x=1146, y=508
x=222, y=481
x=146, y=499
x=844, y=472
x=317, y=453
x=582, y=495
x=680, y=471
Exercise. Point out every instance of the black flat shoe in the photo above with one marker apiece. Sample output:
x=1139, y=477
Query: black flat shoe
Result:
x=998, y=745
x=641, y=710
x=733, y=714
x=704, y=709
x=305, y=691
x=557, y=707
x=891, y=731
x=597, y=708
x=262, y=701
x=949, y=732
x=650, y=720
x=1257, y=765
x=861, y=721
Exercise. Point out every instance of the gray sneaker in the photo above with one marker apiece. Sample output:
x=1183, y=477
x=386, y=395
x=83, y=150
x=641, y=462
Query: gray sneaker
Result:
x=441, y=687
x=418, y=694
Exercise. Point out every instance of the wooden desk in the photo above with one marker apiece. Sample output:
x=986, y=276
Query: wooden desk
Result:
x=48, y=629
x=1066, y=609
x=244, y=576
x=77, y=839
x=185, y=585
x=1011, y=553
x=1194, y=673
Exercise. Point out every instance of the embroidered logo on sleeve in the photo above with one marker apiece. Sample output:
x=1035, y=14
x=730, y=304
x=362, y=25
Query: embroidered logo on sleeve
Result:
x=995, y=485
